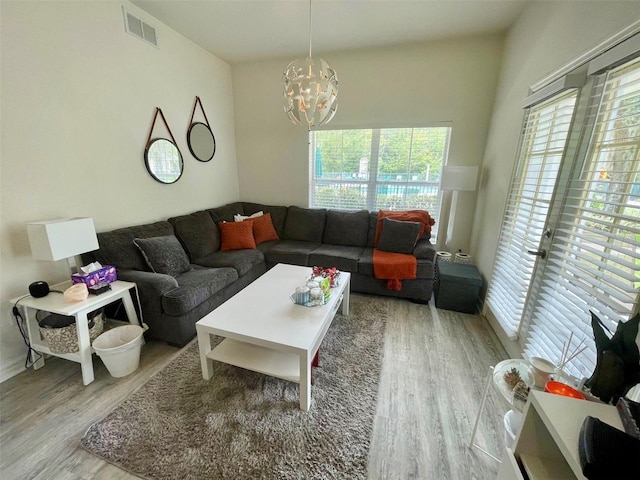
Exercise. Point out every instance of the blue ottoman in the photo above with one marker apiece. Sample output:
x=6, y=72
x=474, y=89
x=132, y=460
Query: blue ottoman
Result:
x=458, y=287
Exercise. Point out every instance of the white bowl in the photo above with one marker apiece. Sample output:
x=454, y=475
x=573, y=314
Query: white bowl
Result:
x=542, y=370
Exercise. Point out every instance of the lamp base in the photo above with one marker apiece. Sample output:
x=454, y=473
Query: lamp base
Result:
x=74, y=263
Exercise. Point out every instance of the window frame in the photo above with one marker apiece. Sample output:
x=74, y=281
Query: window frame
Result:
x=371, y=184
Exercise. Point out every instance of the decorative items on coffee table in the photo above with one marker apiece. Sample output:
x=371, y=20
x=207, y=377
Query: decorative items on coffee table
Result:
x=316, y=290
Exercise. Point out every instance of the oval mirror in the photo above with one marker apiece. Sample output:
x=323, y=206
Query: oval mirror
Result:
x=163, y=160
x=201, y=141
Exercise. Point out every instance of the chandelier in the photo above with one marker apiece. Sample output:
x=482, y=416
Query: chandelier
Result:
x=310, y=89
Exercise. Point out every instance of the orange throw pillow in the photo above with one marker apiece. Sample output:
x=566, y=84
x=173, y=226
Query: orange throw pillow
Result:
x=236, y=236
x=263, y=229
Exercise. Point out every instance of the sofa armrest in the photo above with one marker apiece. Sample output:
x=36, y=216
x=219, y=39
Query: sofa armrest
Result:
x=149, y=282
x=424, y=250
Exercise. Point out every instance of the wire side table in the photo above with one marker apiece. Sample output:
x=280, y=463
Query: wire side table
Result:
x=495, y=376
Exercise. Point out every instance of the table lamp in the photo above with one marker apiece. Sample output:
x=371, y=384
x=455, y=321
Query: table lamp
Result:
x=55, y=240
x=456, y=179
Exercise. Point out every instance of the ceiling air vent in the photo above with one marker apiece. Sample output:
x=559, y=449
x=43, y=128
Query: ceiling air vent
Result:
x=138, y=28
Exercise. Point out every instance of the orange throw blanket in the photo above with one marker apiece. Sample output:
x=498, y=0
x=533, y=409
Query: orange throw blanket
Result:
x=395, y=267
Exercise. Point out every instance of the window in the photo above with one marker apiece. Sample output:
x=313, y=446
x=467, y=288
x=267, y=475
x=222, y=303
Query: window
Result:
x=575, y=201
x=388, y=168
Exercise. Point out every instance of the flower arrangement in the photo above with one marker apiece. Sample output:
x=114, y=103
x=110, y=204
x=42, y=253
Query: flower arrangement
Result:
x=331, y=273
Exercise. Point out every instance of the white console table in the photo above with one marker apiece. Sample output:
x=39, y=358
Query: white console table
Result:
x=55, y=303
x=547, y=445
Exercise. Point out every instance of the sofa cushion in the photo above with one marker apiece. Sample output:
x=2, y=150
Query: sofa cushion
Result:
x=164, y=254
x=117, y=247
x=266, y=247
x=195, y=287
x=398, y=236
x=343, y=257
x=278, y=214
x=241, y=260
x=198, y=233
x=236, y=236
x=346, y=228
x=293, y=252
x=305, y=224
x=263, y=229
x=226, y=212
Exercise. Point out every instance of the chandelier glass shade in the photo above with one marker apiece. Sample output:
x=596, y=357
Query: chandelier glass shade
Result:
x=310, y=89
x=310, y=92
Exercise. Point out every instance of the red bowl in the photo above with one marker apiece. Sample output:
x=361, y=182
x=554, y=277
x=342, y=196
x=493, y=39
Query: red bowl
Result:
x=563, y=389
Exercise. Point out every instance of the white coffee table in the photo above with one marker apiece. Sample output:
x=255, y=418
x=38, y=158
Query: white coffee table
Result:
x=267, y=333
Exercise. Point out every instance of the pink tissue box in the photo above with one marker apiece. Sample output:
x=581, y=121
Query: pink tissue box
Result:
x=106, y=274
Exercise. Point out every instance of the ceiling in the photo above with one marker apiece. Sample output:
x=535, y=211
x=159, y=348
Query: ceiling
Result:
x=248, y=30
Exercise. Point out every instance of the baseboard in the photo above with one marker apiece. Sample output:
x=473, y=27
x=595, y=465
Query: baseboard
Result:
x=9, y=371
x=512, y=347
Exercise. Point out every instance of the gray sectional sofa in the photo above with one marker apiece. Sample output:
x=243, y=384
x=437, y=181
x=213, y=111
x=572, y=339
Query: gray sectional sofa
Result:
x=199, y=276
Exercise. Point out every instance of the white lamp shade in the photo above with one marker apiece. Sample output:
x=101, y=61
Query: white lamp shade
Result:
x=459, y=178
x=59, y=239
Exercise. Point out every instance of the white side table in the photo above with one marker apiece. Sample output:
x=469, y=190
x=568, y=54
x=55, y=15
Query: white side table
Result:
x=496, y=376
x=547, y=445
x=55, y=303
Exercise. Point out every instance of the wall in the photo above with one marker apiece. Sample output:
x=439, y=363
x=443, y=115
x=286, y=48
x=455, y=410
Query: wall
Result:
x=411, y=85
x=78, y=98
x=547, y=36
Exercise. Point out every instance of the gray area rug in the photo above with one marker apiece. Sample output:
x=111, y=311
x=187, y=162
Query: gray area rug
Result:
x=242, y=425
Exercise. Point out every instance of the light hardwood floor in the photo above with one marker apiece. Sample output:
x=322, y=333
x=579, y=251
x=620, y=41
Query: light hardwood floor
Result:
x=435, y=365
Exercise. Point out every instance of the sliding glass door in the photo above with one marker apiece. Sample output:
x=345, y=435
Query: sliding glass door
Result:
x=570, y=239
x=542, y=149
x=594, y=259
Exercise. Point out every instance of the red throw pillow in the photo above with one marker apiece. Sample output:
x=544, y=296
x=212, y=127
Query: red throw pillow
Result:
x=263, y=229
x=236, y=236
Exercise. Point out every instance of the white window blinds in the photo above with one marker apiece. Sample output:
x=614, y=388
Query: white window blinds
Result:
x=541, y=151
x=388, y=168
x=594, y=262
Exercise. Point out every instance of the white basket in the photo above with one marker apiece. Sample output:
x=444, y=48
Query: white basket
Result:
x=65, y=339
x=443, y=256
x=119, y=349
x=462, y=258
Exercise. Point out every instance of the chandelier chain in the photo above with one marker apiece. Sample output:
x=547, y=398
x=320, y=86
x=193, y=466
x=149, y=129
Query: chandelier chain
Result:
x=310, y=88
x=309, y=28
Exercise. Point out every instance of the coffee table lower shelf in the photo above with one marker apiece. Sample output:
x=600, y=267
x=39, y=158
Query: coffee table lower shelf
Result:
x=258, y=359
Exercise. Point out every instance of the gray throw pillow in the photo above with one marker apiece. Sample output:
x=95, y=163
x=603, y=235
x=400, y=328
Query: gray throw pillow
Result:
x=398, y=236
x=197, y=233
x=164, y=254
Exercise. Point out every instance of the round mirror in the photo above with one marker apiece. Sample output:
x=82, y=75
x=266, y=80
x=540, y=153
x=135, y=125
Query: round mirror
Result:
x=201, y=141
x=163, y=160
